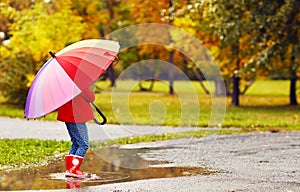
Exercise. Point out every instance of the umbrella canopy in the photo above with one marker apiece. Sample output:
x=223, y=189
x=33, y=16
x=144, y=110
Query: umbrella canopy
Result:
x=67, y=73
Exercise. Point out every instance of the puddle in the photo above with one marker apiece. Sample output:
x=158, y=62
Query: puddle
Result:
x=108, y=165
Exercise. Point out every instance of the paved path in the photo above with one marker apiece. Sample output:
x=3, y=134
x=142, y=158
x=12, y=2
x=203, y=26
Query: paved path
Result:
x=260, y=162
x=21, y=128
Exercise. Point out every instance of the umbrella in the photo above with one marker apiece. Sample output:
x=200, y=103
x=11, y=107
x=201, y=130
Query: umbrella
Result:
x=67, y=73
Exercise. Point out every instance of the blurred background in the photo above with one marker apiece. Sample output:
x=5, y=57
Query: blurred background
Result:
x=251, y=41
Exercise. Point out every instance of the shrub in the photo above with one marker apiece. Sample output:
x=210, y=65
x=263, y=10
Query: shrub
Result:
x=13, y=77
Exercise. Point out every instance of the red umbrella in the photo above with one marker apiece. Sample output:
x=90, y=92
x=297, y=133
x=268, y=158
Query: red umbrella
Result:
x=67, y=73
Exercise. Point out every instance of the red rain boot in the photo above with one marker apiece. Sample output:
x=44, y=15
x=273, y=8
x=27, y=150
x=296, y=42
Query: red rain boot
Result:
x=68, y=159
x=74, y=170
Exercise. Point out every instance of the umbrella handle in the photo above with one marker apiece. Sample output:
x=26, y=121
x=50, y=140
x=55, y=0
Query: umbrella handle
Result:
x=116, y=58
x=101, y=114
x=117, y=61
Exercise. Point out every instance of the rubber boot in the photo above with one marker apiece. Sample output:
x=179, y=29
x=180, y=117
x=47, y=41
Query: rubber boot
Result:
x=68, y=159
x=74, y=170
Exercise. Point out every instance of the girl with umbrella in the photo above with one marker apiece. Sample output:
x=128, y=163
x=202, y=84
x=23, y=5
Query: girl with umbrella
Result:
x=75, y=113
x=66, y=76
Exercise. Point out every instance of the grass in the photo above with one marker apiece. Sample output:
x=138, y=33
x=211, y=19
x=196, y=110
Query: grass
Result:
x=18, y=153
x=270, y=88
x=265, y=105
x=166, y=110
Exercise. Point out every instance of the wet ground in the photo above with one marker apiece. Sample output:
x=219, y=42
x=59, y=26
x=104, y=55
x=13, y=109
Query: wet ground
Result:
x=256, y=162
x=117, y=165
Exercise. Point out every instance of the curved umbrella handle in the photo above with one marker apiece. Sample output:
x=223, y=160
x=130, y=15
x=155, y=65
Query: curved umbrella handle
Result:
x=117, y=61
x=101, y=114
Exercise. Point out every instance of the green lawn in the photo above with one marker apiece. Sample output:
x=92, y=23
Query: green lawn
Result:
x=16, y=153
x=270, y=88
x=265, y=105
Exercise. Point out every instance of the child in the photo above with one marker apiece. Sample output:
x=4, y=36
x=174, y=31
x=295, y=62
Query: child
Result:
x=75, y=113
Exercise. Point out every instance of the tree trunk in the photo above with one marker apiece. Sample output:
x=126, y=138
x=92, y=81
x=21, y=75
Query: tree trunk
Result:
x=110, y=9
x=248, y=85
x=200, y=79
x=110, y=69
x=101, y=31
x=220, y=88
x=145, y=88
x=171, y=73
x=236, y=91
x=171, y=59
x=293, y=81
x=111, y=75
x=293, y=95
x=236, y=79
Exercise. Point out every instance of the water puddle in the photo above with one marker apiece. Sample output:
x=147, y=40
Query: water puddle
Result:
x=108, y=165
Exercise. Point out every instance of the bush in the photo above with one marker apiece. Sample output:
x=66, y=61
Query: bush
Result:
x=13, y=77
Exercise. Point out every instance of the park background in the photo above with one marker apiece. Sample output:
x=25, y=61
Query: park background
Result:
x=254, y=43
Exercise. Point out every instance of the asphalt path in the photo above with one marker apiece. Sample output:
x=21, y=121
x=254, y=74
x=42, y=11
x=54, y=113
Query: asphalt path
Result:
x=249, y=162
x=264, y=162
x=53, y=130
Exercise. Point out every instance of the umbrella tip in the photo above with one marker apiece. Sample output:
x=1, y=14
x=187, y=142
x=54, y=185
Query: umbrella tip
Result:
x=52, y=54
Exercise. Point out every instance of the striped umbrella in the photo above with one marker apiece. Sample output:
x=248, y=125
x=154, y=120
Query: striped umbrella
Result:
x=67, y=73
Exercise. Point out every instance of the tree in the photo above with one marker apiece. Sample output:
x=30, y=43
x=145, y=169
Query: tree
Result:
x=96, y=15
x=280, y=30
x=187, y=16
x=34, y=31
x=248, y=35
x=150, y=12
x=286, y=41
x=102, y=18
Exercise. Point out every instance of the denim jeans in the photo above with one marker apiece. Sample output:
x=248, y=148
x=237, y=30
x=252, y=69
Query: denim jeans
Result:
x=79, y=137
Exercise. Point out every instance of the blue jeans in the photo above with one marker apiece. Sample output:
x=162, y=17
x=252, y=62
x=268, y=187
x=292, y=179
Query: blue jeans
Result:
x=79, y=137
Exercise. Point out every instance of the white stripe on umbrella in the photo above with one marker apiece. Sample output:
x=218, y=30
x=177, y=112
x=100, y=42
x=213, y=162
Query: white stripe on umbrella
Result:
x=105, y=44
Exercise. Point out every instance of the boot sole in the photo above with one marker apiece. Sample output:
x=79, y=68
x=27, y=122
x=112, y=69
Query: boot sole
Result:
x=70, y=175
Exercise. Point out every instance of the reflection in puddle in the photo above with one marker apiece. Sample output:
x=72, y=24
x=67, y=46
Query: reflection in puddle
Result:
x=111, y=165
